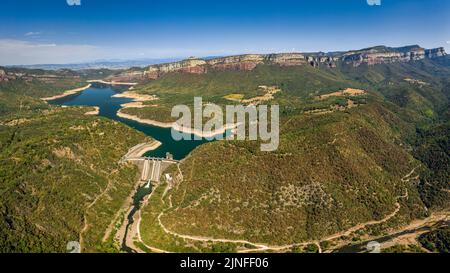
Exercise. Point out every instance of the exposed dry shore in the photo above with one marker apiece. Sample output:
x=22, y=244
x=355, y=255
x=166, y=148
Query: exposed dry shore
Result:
x=67, y=93
x=112, y=82
x=134, y=104
x=94, y=112
x=138, y=99
x=140, y=149
x=177, y=127
x=196, y=132
x=145, y=121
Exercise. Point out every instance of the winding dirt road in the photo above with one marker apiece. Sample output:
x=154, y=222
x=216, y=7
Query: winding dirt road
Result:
x=260, y=247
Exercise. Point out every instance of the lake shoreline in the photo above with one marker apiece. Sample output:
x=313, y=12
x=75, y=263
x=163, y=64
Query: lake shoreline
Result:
x=94, y=112
x=113, y=82
x=136, y=97
x=67, y=93
x=141, y=149
x=176, y=127
x=114, y=102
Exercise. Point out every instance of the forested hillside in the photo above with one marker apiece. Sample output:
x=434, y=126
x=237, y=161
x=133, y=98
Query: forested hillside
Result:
x=59, y=174
x=334, y=168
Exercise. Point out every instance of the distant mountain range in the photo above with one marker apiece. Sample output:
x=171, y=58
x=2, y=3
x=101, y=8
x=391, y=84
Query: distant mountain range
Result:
x=247, y=62
x=370, y=56
x=101, y=64
x=363, y=154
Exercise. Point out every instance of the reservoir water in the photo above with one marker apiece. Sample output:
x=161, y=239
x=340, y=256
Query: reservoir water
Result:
x=101, y=96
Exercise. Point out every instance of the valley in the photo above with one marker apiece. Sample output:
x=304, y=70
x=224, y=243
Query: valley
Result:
x=354, y=162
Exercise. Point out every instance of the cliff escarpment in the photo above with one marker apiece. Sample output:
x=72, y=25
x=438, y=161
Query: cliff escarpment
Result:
x=369, y=56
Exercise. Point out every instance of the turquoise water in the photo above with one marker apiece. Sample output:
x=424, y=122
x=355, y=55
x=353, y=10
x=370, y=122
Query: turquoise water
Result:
x=101, y=96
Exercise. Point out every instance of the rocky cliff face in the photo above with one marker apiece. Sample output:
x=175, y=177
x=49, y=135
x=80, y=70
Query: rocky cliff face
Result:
x=3, y=76
x=287, y=59
x=380, y=55
x=435, y=53
x=2, y=73
x=191, y=65
x=369, y=56
x=239, y=62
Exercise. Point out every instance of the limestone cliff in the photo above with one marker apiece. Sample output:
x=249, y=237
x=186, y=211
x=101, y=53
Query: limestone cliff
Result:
x=2, y=75
x=380, y=55
x=369, y=56
x=239, y=62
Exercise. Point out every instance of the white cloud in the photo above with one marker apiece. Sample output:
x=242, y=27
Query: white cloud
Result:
x=20, y=52
x=15, y=52
x=24, y=52
x=73, y=2
x=31, y=33
x=374, y=2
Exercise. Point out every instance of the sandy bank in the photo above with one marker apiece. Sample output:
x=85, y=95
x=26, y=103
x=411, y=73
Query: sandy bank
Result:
x=136, y=104
x=145, y=121
x=113, y=82
x=67, y=93
x=177, y=127
x=199, y=133
x=140, y=149
x=94, y=112
x=138, y=99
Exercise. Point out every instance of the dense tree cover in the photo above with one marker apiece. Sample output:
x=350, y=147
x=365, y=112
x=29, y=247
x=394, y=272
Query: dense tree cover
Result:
x=55, y=162
x=40, y=83
x=40, y=89
x=403, y=249
x=295, y=82
x=421, y=89
x=331, y=171
x=153, y=234
x=437, y=240
x=433, y=149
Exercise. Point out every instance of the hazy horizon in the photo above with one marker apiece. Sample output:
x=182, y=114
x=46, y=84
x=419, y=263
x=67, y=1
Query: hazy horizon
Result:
x=172, y=58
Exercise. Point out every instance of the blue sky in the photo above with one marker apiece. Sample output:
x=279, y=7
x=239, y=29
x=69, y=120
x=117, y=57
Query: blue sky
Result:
x=51, y=31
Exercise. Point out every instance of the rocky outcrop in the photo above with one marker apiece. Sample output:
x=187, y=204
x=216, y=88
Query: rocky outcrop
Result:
x=287, y=59
x=2, y=75
x=191, y=65
x=435, y=52
x=127, y=76
x=239, y=63
x=5, y=76
x=369, y=56
x=381, y=55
